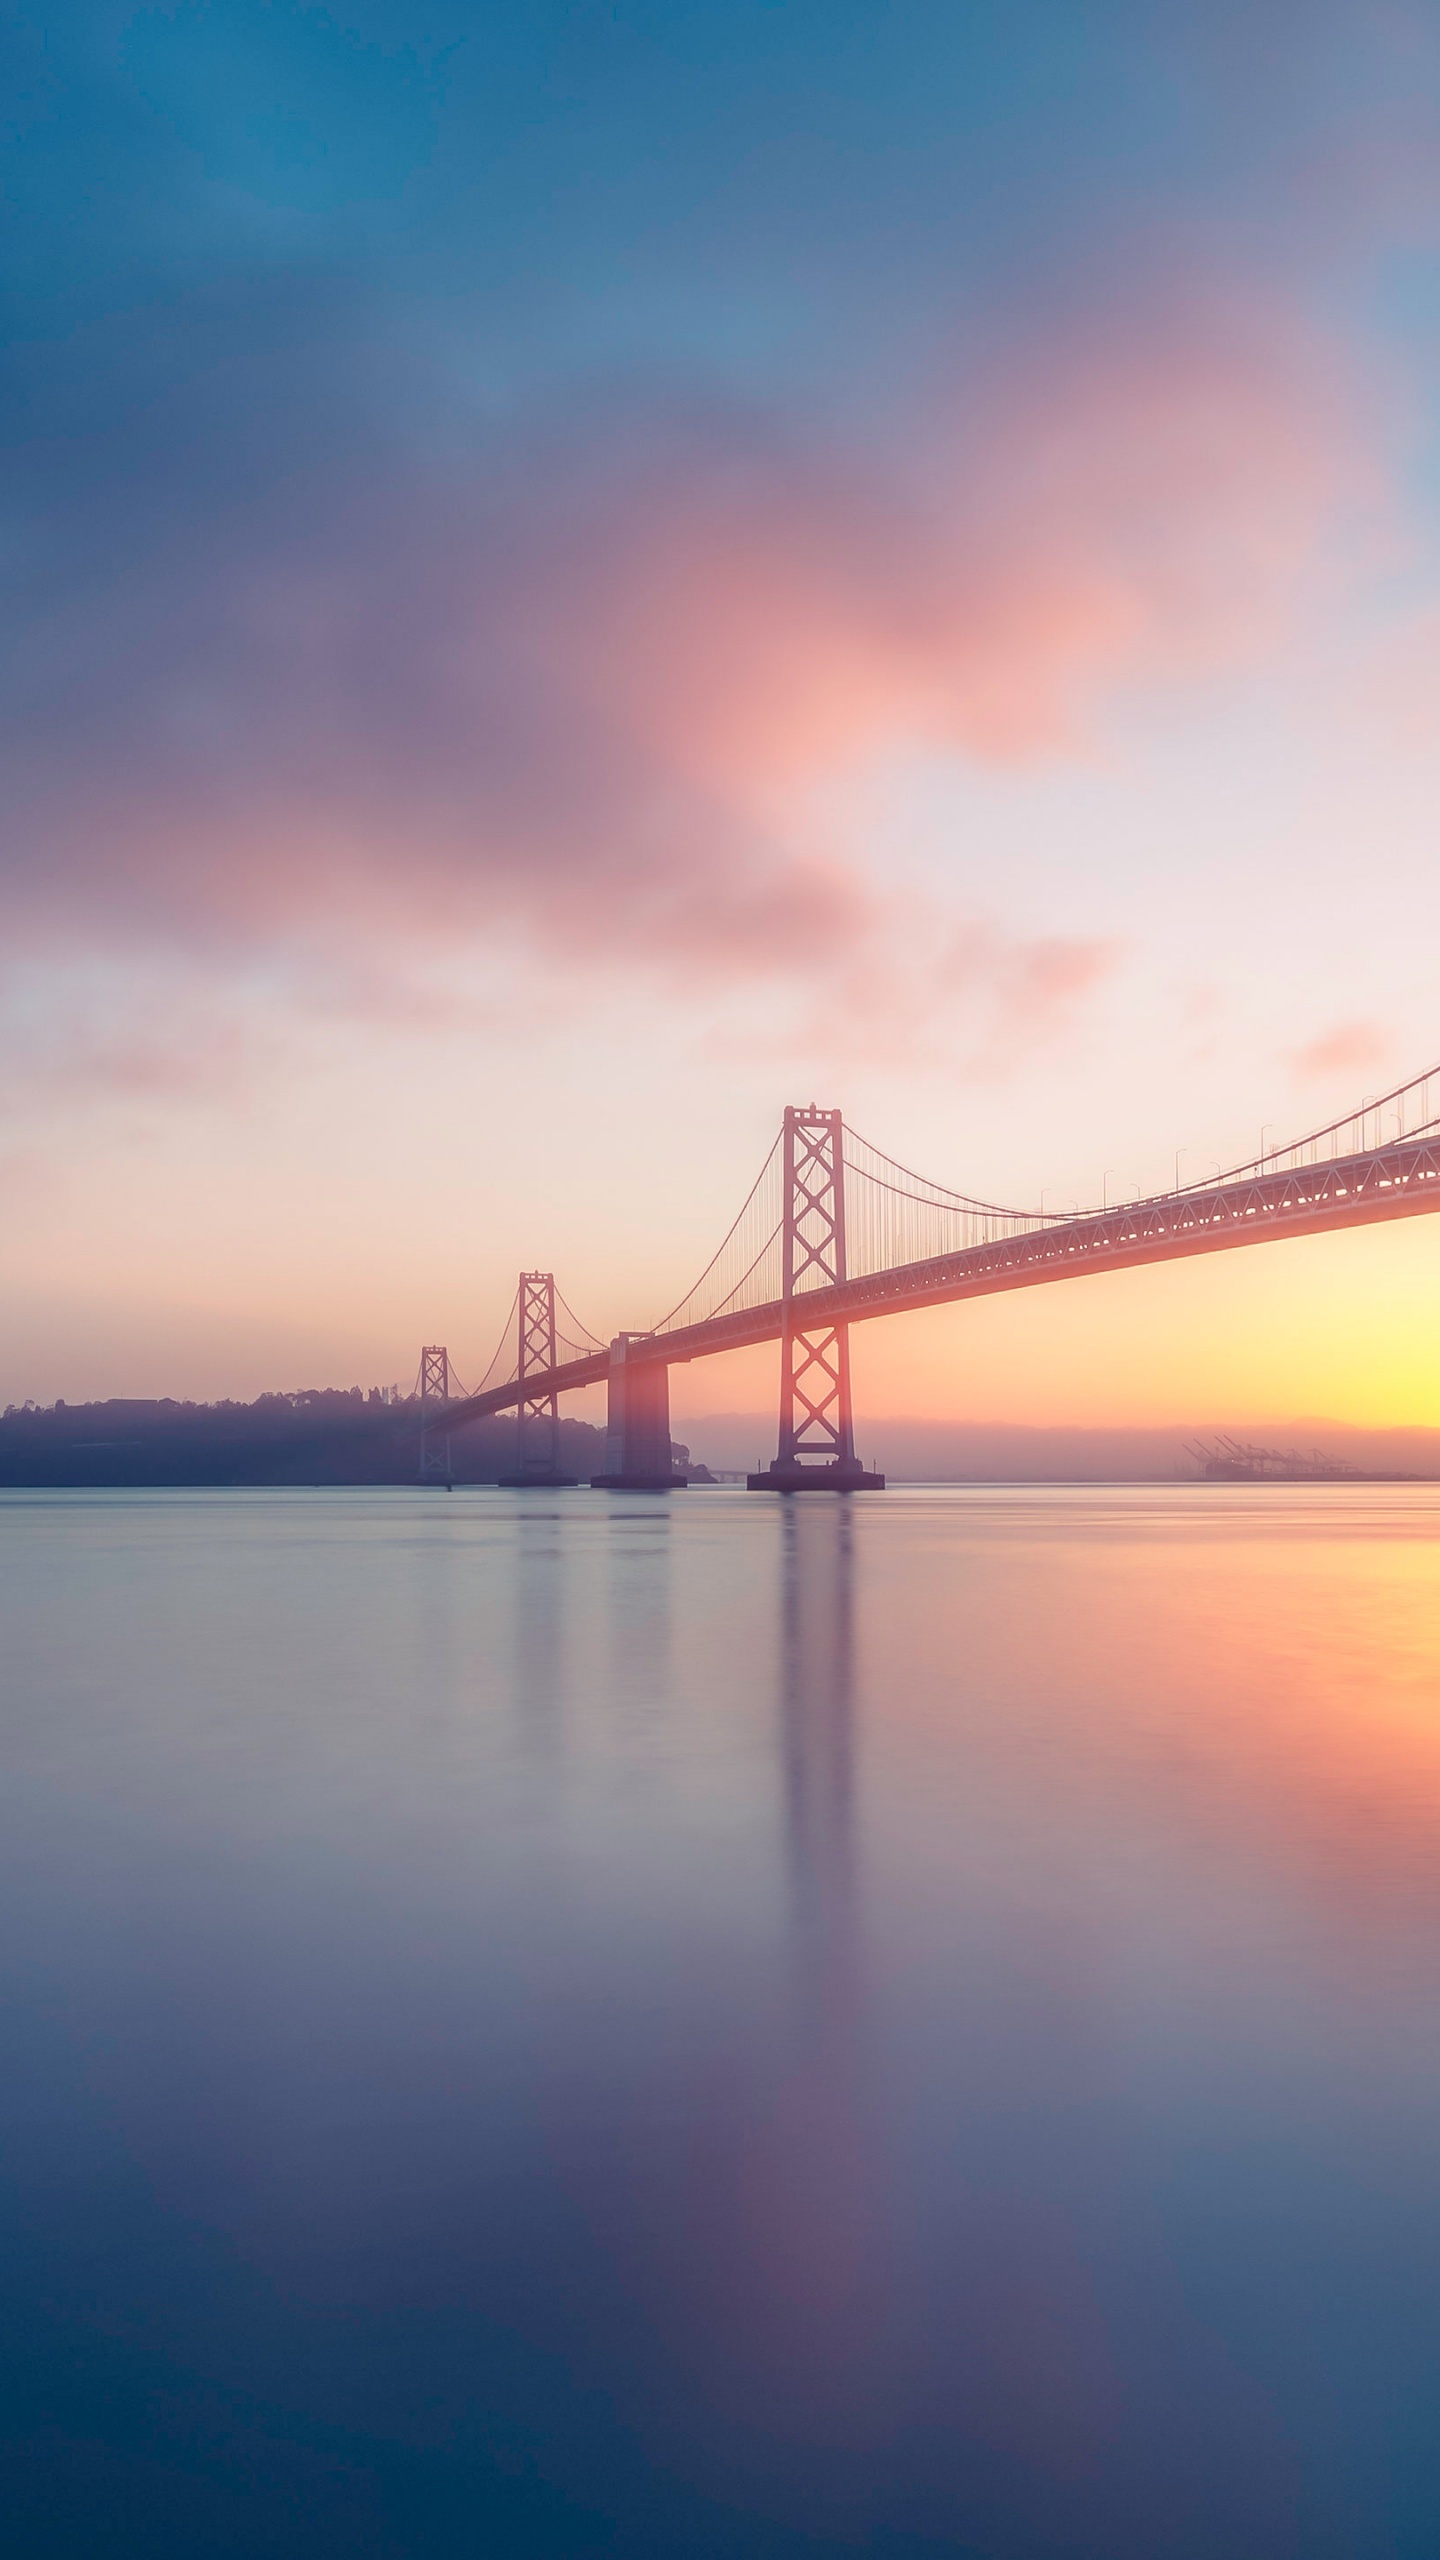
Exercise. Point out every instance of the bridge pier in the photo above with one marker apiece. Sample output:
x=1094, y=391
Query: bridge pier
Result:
x=829, y=1477
x=637, y=1424
x=817, y=1424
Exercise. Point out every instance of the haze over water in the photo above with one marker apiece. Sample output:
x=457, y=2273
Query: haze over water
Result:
x=563, y=2023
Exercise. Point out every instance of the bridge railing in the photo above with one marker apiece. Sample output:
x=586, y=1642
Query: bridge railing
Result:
x=1382, y=1120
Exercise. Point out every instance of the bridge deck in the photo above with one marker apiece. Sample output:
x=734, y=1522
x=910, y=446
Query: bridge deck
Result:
x=1398, y=1181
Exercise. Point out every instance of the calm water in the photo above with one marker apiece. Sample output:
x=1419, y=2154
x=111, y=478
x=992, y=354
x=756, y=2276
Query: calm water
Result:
x=570, y=2024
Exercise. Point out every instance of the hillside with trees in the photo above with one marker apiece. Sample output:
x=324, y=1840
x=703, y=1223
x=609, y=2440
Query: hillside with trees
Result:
x=313, y=1436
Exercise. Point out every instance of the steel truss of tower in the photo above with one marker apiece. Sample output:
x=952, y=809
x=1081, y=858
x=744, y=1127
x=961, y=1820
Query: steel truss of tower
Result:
x=435, y=1416
x=537, y=1459
x=817, y=1427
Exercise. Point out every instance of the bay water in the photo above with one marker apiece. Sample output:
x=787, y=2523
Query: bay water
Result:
x=561, y=2023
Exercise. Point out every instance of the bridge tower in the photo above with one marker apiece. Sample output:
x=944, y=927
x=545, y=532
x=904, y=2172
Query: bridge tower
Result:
x=537, y=1416
x=637, y=1423
x=435, y=1415
x=817, y=1428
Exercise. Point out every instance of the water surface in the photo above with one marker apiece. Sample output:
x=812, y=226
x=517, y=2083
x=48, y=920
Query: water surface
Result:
x=566, y=2024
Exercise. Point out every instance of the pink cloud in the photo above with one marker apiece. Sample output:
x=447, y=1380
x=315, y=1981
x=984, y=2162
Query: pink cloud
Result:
x=1348, y=1046
x=584, y=696
x=925, y=991
x=1400, y=686
x=1105, y=516
x=132, y=1032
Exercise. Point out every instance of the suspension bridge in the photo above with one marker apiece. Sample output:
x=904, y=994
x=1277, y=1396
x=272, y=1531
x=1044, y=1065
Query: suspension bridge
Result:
x=834, y=1232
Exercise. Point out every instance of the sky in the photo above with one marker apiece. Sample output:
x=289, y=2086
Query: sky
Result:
x=577, y=573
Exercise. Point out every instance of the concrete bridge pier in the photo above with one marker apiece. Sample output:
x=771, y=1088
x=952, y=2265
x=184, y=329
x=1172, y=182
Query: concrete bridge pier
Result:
x=637, y=1424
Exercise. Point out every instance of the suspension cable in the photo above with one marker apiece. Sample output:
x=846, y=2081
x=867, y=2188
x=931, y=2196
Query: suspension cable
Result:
x=500, y=1345
x=949, y=1199
x=694, y=1292
x=582, y=1339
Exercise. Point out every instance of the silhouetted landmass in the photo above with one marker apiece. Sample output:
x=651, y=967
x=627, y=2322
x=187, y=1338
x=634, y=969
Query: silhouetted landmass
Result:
x=321, y=1435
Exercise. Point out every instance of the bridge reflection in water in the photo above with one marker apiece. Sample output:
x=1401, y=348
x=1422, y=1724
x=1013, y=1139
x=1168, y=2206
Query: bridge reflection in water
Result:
x=817, y=1754
x=819, y=2265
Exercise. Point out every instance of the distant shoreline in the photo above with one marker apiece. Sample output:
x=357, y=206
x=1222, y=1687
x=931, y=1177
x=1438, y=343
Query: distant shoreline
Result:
x=349, y=1436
